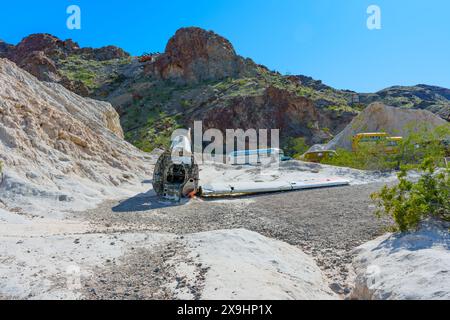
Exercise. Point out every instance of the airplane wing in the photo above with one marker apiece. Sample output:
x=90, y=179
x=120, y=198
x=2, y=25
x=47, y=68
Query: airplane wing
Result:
x=242, y=188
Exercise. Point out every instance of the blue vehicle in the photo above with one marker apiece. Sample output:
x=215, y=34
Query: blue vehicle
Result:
x=258, y=156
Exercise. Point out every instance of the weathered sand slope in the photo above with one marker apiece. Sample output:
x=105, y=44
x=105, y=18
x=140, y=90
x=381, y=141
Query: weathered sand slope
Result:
x=61, y=151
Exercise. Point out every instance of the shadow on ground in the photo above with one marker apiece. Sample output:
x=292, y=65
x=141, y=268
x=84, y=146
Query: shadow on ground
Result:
x=144, y=202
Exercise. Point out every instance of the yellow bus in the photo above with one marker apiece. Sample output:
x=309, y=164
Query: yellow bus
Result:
x=389, y=144
x=392, y=145
x=368, y=138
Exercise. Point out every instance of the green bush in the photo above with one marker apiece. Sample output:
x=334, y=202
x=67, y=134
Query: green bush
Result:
x=409, y=202
x=186, y=104
x=365, y=158
x=423, y=143
x=295, y=147
x=420, y=144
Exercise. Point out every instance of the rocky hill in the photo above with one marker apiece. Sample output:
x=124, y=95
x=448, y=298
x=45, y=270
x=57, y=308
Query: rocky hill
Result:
x=194, y=55
x=58, y=147
x=50, y=59
x=431, y=98
x=378, y=117
x=201, y=77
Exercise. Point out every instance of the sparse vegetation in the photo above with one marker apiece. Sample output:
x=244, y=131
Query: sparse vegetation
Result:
x=342, y=108
x=91, y=73
x=156, y=133
x=410, y=202
x=295, y=147
x=366, y=158
x=420, y=144
x=423, y=143
x=168, y=97
x=186, y=104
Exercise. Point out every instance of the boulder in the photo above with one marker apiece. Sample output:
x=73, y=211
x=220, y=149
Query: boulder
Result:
x=412, y=265
x=104, y=53
x=40, y=66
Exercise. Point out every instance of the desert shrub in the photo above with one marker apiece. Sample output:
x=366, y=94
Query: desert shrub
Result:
x=156, y=133
x=295, y=147
x=341, y=108
x=410, y=202
x=305, y=91
x=186, y=104
x=365, y=158
x=419, y=144
x=423, y=143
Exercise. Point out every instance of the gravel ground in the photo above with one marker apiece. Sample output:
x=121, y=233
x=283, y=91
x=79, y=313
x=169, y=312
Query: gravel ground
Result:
x=326, y=223
x=144, y=274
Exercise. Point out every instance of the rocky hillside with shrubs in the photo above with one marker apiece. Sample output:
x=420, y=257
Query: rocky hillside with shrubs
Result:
x=81, y=70
x=201, y=77
x=425, y=97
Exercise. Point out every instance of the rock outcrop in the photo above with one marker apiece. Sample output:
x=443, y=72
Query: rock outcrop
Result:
x=103, y=54
x=275, y=108
x=58, y=146
x=4, y=48
x=51, y=46
x=56, y=49
x=41, y=66
x=194, y=55
x=431, y=98
x=404, y=266
x=263, y=268
x=41, y=55
x=201, y=77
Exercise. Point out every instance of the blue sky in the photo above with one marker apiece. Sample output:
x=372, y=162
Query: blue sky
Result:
x=325, y=39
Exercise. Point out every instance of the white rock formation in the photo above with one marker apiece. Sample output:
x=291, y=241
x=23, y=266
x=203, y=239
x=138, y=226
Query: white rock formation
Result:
x=56, y=266
x=412, y=265
x=240, y=264
x=246, y=265
x=59, y=150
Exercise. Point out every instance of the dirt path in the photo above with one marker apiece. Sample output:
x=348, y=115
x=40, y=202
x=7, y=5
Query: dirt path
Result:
x=326, y=223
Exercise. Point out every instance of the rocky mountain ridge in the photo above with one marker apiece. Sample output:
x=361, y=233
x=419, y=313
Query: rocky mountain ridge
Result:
x=45, y=57
x=201, y=77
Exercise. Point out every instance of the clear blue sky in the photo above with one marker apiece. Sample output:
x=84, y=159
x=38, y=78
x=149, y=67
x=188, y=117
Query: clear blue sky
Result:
x=325, y=39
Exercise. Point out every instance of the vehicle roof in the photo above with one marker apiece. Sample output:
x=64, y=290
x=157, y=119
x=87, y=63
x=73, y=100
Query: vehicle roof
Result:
x=372, y=134
x=321, y=151
x=256, y=151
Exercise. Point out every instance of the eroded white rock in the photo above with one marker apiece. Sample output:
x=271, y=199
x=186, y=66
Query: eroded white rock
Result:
x=412, y=265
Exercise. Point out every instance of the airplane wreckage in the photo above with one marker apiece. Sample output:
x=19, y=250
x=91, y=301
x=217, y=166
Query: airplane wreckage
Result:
x=176, y=175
